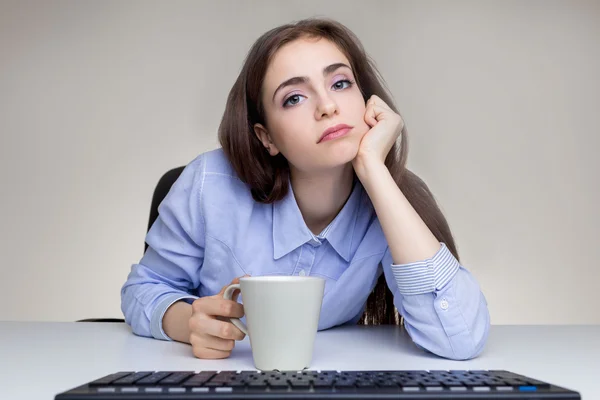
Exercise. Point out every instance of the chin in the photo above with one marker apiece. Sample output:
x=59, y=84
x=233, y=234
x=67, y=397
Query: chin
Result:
x=342, y=153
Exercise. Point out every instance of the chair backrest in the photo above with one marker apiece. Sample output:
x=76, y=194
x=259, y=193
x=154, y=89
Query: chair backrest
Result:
x=160, y=192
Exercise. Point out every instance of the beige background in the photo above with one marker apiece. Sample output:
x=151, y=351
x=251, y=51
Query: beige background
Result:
x=99, y=98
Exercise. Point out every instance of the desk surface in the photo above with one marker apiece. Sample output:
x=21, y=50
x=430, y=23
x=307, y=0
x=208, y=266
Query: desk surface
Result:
x=60, y=356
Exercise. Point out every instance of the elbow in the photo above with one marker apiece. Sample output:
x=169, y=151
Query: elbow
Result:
x=469, y=352
x=470, y=344
x=133, y=313
x=461, y=346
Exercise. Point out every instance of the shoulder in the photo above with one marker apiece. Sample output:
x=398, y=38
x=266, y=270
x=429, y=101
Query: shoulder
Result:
x=210, y=162
x=213, y=179
x=212, y=165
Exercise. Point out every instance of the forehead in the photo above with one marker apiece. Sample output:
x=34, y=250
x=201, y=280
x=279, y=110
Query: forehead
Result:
x=302, y=57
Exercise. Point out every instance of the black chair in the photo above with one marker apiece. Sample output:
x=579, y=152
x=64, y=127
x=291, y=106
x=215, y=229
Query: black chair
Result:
x=160, y=192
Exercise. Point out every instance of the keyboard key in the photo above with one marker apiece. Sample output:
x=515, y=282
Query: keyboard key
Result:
x=539, y=384
x=236, y=383
x=472, y=383
x=493, y=382
x=430, y=383
x=132, y=378
x=109, y=378
x=224, y=377
x=279, y=386
x=515, y=382
x=214, y=384
x=153, y=378
x=527, y=388
x=365, y=384
x=451, y=383
x=199, y=379
x=299, y=383
x=388, y=384
x=344, y=383
x=176, y=378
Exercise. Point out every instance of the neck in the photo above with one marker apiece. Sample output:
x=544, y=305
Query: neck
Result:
x=321, y=196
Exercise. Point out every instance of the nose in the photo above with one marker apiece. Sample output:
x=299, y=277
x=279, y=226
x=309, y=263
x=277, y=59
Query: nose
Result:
x=326, y=107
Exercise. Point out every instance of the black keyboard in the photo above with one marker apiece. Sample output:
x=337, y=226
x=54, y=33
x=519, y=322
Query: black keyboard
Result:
x=455, y=385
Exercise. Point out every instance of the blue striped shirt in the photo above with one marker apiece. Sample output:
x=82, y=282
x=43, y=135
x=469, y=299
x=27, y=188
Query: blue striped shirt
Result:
x=210, y=231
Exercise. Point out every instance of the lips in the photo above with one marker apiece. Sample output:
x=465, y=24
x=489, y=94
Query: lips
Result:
x=334, y=132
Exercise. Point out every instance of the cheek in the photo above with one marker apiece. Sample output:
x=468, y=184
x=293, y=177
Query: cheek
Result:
x=359, y=112
x=355, y=106
x=287, y=128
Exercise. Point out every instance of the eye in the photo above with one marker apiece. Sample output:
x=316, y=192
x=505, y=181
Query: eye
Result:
x=295, y=99
x=339, y=85
x=292, y=100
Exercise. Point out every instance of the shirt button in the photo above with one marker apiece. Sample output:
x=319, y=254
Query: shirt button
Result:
x=444, y=304
x=301, y=273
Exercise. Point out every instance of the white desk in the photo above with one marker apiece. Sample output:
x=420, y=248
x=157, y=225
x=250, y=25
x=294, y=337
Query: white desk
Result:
x=60, y=356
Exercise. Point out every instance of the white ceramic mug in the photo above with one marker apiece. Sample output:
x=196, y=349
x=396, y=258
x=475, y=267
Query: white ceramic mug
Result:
x=282, y=313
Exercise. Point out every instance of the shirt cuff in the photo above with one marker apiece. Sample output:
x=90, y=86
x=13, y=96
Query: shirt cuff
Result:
x=428, y=275
x=156, y=327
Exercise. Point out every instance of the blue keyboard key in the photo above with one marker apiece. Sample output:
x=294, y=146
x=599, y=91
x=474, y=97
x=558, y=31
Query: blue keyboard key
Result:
x=527, y=388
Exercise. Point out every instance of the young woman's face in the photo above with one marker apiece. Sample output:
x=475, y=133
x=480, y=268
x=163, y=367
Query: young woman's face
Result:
x=308, y=88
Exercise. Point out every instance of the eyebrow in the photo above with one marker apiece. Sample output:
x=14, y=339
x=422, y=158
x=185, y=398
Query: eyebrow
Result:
x=303, y=79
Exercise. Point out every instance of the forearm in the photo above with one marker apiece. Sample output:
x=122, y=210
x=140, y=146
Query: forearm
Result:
x=176, y=321
x=408, y=237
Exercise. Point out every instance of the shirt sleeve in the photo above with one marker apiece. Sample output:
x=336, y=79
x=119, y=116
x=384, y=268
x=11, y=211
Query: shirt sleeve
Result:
x=443, y=307
x=169, y=270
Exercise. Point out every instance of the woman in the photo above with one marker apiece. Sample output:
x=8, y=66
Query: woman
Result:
x=310, y=180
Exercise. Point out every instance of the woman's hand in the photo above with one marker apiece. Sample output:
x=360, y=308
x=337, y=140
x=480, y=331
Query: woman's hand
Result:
x=211, y=334
x=386, y=126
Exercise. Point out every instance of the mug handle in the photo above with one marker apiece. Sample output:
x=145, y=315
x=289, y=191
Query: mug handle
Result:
x=228, y=295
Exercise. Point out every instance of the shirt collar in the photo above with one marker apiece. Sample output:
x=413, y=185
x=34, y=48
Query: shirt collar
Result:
x=290, y=230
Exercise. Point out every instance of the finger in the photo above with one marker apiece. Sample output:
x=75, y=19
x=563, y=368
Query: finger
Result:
x=212, y=342
x=223, y=330
x=217, y=306
x=204, y=353
x=370, y=115
x=378, y=101
x=215, y=327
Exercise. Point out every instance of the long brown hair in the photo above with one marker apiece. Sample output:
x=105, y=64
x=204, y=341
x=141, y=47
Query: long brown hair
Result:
x=268, y=177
